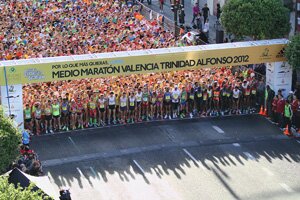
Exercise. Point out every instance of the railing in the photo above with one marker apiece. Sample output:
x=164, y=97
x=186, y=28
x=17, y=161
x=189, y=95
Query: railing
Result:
x=150, y=14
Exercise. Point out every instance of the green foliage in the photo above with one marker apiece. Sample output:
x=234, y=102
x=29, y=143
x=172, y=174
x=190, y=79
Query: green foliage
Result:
x=260, y=19
x=9, y=192
x=292, y=52
x=10, y=138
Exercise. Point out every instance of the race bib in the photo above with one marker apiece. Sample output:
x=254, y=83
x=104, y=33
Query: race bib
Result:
x=123, y=104
x=131, y=103
x=167, y=97
x=101, y=105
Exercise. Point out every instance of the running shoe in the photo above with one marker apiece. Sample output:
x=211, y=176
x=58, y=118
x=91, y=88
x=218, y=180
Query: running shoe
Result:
x=114, y=122
x=166, y=117
x=47, y=132
x=51, y=131
x=67, y=129
x=170, y=117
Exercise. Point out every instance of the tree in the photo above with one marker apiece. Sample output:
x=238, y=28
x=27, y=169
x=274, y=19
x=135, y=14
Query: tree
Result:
x=8, y=191
x=292, y=52
x=10, y=139
x=259, y=19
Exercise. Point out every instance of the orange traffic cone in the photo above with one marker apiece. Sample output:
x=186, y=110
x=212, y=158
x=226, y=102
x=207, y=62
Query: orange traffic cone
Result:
x=261, y=111
x=286, y=131
x=265, y=112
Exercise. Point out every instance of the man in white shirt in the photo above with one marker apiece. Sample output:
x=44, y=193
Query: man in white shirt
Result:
x=175, y=100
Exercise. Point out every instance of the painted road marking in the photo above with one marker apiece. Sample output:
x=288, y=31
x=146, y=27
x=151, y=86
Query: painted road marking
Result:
x=194, y=159
x=93, y=172
x=190, y=155
x=218, y=129
x=267, y=171
x=236, y=144
x=139, y=166
x=249, y=156
x=286, y=187
x=76, y=147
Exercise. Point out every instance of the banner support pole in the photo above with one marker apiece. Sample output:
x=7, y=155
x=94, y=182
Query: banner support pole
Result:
x=7, y=93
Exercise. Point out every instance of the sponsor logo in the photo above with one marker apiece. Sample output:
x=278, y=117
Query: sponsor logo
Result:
x=11, y=89
x=34, y=74
x=280, y=53
x=266, y=54
x=12, y=70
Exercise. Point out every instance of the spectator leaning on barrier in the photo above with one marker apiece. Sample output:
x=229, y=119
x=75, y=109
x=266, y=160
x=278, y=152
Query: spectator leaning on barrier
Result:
x=269, y=96
x=280, y=110
x=295, y=106
x=287, y=116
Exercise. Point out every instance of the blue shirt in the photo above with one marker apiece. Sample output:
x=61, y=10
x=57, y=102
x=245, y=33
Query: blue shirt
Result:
x=25, y=137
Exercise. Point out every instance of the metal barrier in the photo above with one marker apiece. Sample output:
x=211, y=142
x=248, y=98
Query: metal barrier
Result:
x=150, y=14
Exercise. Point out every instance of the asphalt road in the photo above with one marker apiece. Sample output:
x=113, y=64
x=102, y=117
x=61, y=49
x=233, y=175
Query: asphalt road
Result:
x=241, y=157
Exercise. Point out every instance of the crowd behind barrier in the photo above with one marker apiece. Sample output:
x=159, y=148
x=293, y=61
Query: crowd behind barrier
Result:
x=285, y=112
x=78, y=104
x=33, y=29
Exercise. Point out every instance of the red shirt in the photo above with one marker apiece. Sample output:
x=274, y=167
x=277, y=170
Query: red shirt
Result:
x=295, y=105
x=280, y=106
x=274, y=104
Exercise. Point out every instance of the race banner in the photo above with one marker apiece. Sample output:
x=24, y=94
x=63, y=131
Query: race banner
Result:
x=125, y=65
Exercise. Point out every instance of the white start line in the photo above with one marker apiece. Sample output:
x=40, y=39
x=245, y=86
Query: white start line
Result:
x=218, y=129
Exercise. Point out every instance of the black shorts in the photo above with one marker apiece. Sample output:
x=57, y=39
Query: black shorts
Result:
x=112, y=107
x=56, y=116
x=167, y=103
x=102, y=110
x=28, y=120
x=64, y=114
x=123, y=108
x=131, y=108
x=138, y=103
x=175, y=105
x=48, y=117
x=235, y=99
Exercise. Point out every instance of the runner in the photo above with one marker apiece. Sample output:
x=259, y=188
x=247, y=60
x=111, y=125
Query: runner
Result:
x=183, y=103
x=27, y=117
x=37, y=118
x=138, y=97
x=167, y=103
x=65, y=114
x=236, y=93
x=159, y=104
x=132, y=108
x=145, y=104
x=56, y=115
x=73, y=111
x=175, y=101
x=123, y=108
x=48, y=117
x=112, y=108
x=80, y=110
x=216, y=100
x=93, y=112
x=102, y=109
x=191, y=101
x=153, y=105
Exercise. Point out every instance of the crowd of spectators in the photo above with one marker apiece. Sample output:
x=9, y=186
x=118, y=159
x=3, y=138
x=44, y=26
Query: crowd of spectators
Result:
x=33, y=29
x=284, y=112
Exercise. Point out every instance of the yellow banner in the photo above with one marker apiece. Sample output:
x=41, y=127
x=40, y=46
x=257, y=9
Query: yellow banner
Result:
x=57, y=71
